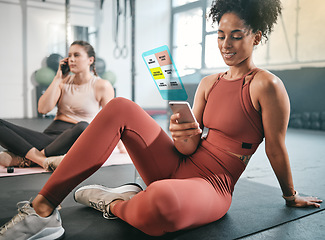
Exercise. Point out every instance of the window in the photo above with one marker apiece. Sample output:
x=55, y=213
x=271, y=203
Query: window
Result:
x=177, y=3
x=194, y=40
x=187, y=40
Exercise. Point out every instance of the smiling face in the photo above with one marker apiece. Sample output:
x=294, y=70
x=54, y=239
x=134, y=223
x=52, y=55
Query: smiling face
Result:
x=235, y=40
x=79, y=61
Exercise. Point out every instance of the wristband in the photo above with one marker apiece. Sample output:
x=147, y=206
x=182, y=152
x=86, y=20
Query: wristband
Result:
x=292, y=197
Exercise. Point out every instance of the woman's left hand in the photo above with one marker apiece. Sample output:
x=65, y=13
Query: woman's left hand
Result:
x=301, y=201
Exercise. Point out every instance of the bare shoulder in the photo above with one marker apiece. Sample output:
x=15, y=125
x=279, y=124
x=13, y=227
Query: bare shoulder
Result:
x=104, y=91
x=265, y=81
x=207, y=83
x=103, y=85
x=210, y=79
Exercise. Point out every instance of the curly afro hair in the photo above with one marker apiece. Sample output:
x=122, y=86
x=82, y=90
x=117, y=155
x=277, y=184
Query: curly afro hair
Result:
x=259, y=15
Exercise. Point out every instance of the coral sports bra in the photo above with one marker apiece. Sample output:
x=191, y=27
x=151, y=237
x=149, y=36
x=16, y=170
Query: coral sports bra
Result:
x=234, y=124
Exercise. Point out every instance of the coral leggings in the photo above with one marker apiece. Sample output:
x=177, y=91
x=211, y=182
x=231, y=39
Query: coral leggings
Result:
x=183, y=191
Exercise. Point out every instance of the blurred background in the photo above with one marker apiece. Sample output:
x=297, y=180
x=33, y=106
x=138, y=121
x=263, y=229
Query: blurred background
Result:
x=35, y=34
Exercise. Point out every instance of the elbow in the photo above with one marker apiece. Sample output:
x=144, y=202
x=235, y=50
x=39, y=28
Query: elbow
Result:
x=275, y=151
x=42, y=109
x=270, y=153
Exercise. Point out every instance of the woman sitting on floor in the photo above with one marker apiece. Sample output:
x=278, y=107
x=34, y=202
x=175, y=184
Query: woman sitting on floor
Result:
x=78, y=97
x=190, y=180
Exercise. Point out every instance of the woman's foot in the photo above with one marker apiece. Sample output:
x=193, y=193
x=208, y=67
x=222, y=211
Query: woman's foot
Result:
x=28, y=224
x=100, y=197
x=9, y=159
x=51, y=163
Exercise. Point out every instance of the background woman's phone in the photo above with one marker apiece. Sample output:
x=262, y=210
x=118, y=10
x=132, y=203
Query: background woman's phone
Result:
x=185, y=111
x=65, y=68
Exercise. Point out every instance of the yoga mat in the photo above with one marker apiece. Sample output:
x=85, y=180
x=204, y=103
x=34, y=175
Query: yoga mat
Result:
x=116, y=158
x=255, y=207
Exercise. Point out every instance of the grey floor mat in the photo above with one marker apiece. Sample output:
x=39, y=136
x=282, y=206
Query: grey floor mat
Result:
x=256, y=207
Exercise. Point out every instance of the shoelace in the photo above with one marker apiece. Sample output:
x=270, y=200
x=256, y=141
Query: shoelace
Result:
x=22, y=213
x=102, y=206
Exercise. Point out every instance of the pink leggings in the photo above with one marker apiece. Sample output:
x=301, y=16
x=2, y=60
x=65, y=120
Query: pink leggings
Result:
x=183, y=191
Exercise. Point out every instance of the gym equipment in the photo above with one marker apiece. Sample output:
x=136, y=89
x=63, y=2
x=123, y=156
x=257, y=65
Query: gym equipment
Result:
x=53, y=61
x=307, y=124
x=323, y=126
x=10, y=169
x=297, y=123
x=44, y=76
x=316, y=125
x=315, y=116
x=110, y=76
x=100, y=66
x=305, y=116
x=322, y=116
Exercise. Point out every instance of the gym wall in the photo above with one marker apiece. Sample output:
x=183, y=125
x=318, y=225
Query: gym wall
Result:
x=306, y=90
x=24, y=46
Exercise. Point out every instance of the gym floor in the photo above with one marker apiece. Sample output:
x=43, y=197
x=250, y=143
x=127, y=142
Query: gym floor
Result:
x=258, y=211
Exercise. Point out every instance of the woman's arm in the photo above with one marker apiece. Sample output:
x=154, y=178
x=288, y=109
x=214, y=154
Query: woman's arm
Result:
x=104, y=92
x=52, y=94
x=275, y=108
x=187, y=136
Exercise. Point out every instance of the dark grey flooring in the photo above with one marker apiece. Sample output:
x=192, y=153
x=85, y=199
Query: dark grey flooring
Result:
x=257, y=212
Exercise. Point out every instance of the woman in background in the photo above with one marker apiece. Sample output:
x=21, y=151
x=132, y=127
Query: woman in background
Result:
x=78, y=98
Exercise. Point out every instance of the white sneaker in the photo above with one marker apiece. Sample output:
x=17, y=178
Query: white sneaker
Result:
x=9, y=159
x=27, y=224
x=99, y=197
x=51, y=163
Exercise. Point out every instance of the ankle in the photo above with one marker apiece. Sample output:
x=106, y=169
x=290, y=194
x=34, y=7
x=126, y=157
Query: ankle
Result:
x=110, y=207
x=42, y=206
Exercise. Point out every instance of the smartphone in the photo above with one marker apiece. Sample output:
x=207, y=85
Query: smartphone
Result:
x=185, y=111
x=65, y=68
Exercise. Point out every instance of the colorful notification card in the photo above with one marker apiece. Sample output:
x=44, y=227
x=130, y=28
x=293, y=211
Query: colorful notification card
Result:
x=164, y=73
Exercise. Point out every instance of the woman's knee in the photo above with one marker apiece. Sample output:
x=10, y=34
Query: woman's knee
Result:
x=120, y=105
x=81, y=126
x=167, y=205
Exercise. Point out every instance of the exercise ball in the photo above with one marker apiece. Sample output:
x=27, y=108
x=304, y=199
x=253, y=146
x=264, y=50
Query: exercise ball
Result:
x=53, y=61
x=44, y=76
x=100, y=66
x=110, y=76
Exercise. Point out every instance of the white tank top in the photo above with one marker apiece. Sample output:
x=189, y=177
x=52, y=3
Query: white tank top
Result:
x=78, y=102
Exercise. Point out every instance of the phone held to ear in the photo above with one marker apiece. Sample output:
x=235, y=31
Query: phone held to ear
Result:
x=185, y=111
x=65, y=68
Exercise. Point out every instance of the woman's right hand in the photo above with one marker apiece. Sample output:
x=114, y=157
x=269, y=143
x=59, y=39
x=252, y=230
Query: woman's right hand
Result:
x=182, y=131
x=59, y=75
x=186, y=136
x=52, y=94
